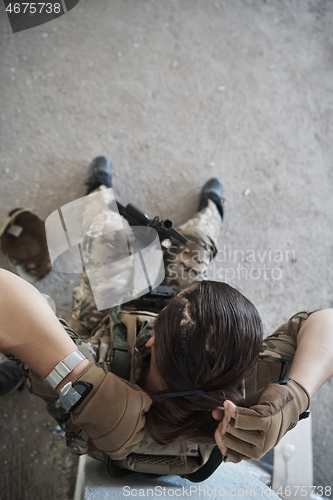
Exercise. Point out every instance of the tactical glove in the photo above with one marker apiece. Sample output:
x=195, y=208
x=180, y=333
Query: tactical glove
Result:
x=255, y=430
x=112, y=415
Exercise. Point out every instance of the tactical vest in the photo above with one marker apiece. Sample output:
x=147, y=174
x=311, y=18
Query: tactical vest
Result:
x=198, y=461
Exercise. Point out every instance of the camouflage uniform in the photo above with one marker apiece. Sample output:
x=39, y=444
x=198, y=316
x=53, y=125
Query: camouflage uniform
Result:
x=183, y=264
x=97, y=251
x=277, y=354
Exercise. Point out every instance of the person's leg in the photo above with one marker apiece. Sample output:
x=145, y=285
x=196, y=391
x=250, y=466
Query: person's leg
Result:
x=102, y=245
x=185, y=264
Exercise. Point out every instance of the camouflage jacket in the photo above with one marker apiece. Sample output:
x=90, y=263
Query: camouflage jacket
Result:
x=275, y=358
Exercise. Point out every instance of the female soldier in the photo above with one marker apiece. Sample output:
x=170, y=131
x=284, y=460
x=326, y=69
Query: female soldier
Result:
x=204, y=350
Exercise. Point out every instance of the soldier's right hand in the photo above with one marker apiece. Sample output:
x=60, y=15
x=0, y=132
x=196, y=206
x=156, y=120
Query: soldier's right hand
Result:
x=112, y=415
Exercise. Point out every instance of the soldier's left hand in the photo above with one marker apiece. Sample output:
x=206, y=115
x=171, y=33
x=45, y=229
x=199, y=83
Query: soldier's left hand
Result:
x=246, y=433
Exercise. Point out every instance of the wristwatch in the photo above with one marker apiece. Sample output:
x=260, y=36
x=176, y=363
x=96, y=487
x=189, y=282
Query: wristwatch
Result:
x=286, y=381
x=71, y=395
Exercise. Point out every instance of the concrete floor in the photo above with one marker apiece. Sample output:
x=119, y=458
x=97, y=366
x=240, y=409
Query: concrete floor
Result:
x=176, y=92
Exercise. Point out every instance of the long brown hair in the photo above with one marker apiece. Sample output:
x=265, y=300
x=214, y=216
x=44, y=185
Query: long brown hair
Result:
x=208, y=338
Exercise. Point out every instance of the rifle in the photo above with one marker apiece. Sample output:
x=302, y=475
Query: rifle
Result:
x=164, y=228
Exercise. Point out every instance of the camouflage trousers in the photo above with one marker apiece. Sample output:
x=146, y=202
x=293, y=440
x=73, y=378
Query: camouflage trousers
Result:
x=183, y=264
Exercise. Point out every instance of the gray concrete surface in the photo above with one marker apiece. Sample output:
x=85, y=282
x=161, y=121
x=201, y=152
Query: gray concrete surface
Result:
x=176, y=92
x=229, y=480
x=35, y=464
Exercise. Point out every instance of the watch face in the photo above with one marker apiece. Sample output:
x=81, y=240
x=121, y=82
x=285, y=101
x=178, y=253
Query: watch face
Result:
x=71, y=395
x=82, y=388
x=285, y=381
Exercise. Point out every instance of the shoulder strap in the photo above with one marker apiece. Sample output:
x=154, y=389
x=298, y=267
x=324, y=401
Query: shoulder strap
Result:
x=124, y=329
x=208, y=468
x=120, y=352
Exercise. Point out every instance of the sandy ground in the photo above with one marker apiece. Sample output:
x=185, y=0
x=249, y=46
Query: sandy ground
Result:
x=177, y=92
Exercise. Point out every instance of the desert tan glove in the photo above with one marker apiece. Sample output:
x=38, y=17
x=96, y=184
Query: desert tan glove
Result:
x=255, y=430
x=112, y=415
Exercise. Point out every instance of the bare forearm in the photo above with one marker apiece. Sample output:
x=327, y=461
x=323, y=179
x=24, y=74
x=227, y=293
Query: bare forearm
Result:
x=28, y=327
x=313, y=362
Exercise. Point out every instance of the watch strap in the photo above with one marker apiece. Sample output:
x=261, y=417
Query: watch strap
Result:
x=286, y=381
x=64, y=368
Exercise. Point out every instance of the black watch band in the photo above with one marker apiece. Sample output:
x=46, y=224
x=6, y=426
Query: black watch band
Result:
x=286, y=381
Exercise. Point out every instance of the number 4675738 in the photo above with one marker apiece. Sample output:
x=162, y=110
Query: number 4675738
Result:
x=33, y=8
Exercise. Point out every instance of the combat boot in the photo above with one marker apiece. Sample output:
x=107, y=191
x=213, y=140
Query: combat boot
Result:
x=212, y=190
x=99, y=173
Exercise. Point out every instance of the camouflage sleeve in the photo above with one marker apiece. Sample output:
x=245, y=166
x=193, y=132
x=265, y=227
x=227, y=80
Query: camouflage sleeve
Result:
x=276, y=355
x=281, y=345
